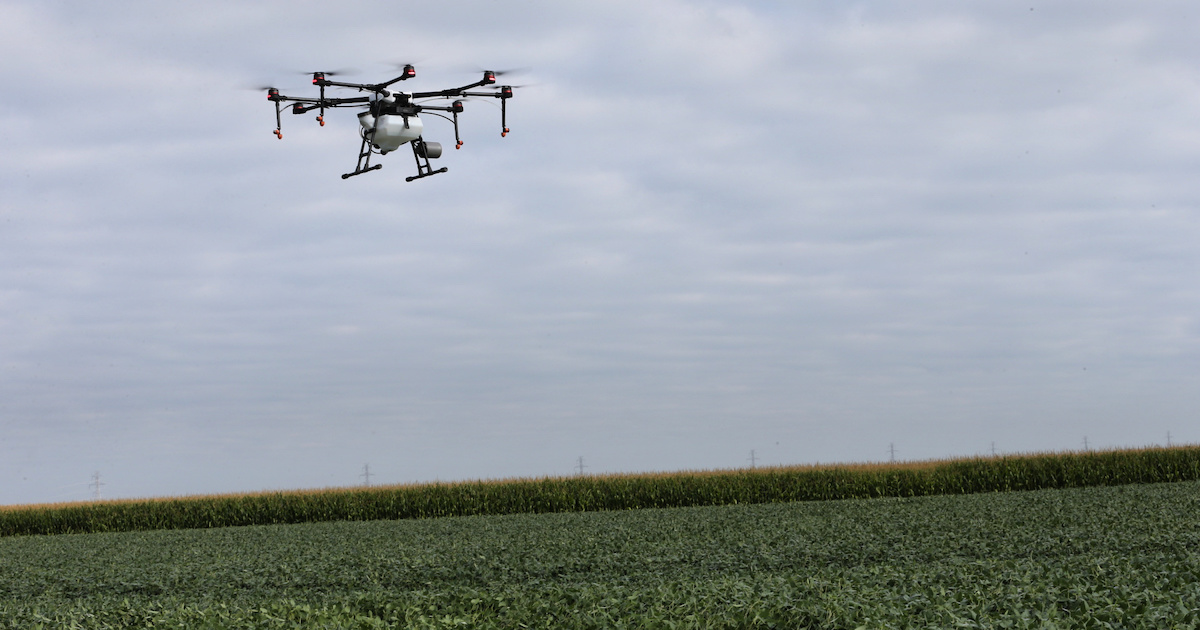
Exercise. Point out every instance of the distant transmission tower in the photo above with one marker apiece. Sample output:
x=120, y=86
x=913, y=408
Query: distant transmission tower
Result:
x=892, y=451
x=993, y=449
x=366, y=474
x=1168, y=439
x=96, y=483
x=579, y=465
x=753, y=458
x=1085, y=444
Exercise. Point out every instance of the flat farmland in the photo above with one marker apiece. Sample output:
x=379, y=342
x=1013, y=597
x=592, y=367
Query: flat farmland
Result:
x=1121, y=556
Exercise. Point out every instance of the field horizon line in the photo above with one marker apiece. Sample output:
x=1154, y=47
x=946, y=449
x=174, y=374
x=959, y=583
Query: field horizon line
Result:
x=861, y=466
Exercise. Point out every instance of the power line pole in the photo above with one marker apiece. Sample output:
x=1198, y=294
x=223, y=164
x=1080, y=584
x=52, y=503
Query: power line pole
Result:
x=993, y=449
x=96, y=483
x=579, y=466
x=892, y=451
x=1085, y=444
x=1168, y=439
x=753, y=458
x=366, y=474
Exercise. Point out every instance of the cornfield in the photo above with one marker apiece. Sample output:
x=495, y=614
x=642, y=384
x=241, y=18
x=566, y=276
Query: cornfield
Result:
x=615, y=492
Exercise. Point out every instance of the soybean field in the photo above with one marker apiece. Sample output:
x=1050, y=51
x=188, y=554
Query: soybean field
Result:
x=1097, y=557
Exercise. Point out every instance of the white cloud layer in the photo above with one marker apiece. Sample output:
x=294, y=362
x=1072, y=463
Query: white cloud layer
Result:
x=806, y=230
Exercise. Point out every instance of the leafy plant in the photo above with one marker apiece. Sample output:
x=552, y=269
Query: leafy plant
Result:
x=1123, y=556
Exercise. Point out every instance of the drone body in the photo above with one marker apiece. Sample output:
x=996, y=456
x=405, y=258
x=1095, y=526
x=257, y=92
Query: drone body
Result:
x=392, y=119
x=391, y=131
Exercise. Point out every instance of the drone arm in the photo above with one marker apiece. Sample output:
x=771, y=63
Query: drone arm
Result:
x=504, y=94
x=443, y=93
x=454, y=109
x=501, y=94
x=283, y=98
x=461, y=91
x=297, y=108
x=409, y=72
x=341, y=102
x=357, y=86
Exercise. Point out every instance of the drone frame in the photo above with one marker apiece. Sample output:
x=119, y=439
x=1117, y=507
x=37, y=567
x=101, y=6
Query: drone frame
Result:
x=403, y=105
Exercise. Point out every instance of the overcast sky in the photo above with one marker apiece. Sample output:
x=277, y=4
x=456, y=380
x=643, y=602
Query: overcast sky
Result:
x=809, y=230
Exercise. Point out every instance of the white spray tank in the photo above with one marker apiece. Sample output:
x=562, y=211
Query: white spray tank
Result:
x=391, y=130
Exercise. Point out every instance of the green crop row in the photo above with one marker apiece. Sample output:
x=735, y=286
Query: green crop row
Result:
x=618, y=492
x=1102, y=557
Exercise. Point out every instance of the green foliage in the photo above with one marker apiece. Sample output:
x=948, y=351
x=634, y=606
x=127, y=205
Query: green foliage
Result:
x=592, y=493
x=1124, y=556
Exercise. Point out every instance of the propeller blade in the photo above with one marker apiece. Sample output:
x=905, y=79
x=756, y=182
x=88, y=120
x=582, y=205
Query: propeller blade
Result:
x=501, y=73
x=260, y=87
x=331, y=73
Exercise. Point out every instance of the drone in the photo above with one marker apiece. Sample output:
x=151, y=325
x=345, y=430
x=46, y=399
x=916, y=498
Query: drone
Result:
x=391, y=117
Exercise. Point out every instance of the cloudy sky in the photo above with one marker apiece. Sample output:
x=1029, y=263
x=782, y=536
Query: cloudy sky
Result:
x=809, y=230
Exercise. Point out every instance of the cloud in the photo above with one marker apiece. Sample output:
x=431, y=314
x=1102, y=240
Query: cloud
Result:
x=715, y=225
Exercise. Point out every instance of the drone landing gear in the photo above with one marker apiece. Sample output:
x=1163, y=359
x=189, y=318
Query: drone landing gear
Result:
x=424, y=151
x=364, y=160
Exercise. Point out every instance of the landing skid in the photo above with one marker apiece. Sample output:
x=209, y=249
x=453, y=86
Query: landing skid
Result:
x=415, y=177
x=420, y=154
x=364, y=159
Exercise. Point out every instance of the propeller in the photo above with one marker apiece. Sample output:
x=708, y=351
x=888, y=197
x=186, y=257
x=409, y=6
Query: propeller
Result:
x=497, y=87
x=501, y=73
x=331, y=73
x=319, y=75
x=262, y=88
